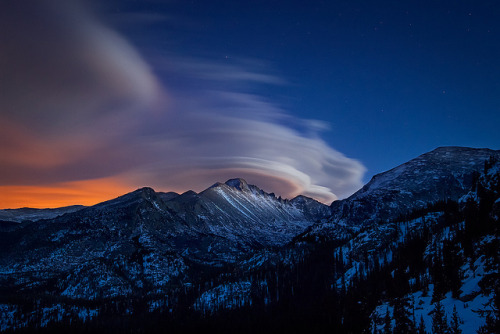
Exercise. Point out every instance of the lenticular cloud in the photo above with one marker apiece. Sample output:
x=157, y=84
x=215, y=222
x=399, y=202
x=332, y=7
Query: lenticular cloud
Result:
x=245, y=138
x=172, y=123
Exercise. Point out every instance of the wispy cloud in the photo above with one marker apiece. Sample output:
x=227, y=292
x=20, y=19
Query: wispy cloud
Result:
x=78, y=103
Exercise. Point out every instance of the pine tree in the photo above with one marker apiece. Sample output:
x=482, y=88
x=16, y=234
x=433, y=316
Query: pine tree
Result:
x=455, y=322
x=387, y=322
x=492, y=325
x=402, y=316
x=439, y=321
x=421, y=326
x=373, y=325
x=452, y=262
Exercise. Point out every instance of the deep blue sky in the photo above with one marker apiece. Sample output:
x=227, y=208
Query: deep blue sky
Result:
x=393, y=79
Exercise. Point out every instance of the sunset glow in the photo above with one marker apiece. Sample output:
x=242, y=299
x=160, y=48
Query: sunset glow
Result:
x=58, y=195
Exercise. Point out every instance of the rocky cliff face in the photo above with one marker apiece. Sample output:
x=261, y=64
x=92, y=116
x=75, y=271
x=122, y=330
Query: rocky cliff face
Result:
x=246, y=215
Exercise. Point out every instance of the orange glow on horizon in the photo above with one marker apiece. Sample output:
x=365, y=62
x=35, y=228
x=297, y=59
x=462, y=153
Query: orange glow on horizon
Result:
x=87, y=193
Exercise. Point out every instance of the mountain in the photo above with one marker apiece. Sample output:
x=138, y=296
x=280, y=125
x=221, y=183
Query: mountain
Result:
x=443, y=174
x=147, y=243
x=422, y=233
x=246, y=215
x=446, y=173
x=235, y=258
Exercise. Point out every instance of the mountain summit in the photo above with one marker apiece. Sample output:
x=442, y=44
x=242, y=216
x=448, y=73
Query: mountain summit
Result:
x=239, y=184
x=445, y=173
x=246, y=214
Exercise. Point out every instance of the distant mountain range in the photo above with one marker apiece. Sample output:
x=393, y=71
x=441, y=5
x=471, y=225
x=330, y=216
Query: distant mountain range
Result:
x=236, y=253
x=29, y=214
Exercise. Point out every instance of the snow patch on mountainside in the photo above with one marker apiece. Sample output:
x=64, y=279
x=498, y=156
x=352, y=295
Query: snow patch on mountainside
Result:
x=228, y=296
x=470, y=305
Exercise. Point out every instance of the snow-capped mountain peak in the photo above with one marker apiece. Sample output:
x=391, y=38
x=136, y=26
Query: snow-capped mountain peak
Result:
x=238, y=183
x=445, y=173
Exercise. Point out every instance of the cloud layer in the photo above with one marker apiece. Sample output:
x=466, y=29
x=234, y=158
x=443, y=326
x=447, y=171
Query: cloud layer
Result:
x=79, y=104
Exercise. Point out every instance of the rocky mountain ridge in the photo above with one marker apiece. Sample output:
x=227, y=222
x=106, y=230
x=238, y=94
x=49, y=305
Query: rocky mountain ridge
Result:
x=446, y=173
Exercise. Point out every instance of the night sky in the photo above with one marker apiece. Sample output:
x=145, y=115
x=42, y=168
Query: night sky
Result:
x=298, y=97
